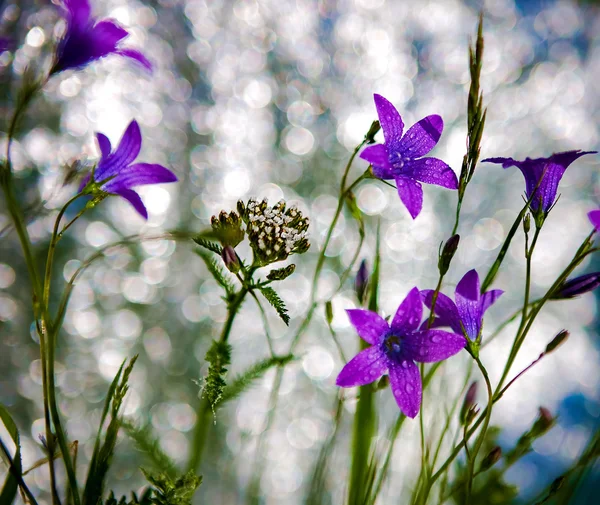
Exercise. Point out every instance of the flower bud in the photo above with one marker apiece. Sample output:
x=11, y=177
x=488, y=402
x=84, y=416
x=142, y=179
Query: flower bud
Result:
x=491, y=459
x=370, y=136
x=578, y=286
x=543, y=423
x=230, y=259
x=361, y=282
x=329, y=311
x=527, y=223
x=468, y=402
x=447, y=254
x=557, y=341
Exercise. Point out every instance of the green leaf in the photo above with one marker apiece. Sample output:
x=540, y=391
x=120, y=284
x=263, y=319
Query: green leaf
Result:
x=218, y=272
x=207, y=244
x=169, y=491
x=273, y=298
x=145, y=441
x=11, y=484
x=244, y=381
x=102, y=455
x=219, y=357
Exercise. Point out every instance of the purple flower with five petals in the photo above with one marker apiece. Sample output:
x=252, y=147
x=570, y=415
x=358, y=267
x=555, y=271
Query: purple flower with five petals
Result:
x=468, y=308
x=547, y=170
x=395, y=349
x=401, y=157
x=86, y=40
x=117, y=174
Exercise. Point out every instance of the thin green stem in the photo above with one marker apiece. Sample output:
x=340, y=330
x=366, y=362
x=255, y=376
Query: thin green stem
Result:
x=481, y=437
x=265, y=321
x=204, y=405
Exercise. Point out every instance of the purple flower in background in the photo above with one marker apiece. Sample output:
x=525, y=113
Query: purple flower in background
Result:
x=468, y=308
x=116, y=174
x=4, y=44
x=86, y=40
x=578, y=286
x=400, y=158
x=548, y=170
x=395, y=349
x=594, y=217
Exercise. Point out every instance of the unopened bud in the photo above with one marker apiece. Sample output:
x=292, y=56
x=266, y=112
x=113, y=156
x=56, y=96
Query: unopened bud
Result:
x=230, y=259
x=329, y=311
x=370, y=136
x=527, y=223
x=543, y=423
x=361, y=282
x=557, y=341
x=468, y=402
x=491, y=459
x=447, y=254
x=471, y=415
x=578, y=286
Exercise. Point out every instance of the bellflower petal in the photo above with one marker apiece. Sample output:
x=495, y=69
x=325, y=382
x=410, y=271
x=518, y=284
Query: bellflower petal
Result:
x=86, y=40
x=367, y=366
x=409, y=314
x=378, y=157
x=422, y=137
x=370, y=326
x=134, y=199
x=594, y=217
x=405, y=382
x=432, y=171
x=429, y=346
x=399, y=157
x=547, y=170
x=139, y=174
x=489, y=298
x=390, y=121
x=116, y=174
x=411, y=194
x=445, y=309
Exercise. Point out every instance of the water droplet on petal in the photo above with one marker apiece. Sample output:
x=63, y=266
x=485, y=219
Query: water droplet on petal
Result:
x=436, y=339
x=427, y=162
x=405, y=364
x=423, y=351
x=412, y=135
x=409, y=388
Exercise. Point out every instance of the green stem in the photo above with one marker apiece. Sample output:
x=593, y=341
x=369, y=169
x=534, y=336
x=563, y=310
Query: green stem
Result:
x=481, y=437
x=204, y=406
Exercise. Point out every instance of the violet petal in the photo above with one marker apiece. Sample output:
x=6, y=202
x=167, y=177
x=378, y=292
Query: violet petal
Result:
x=411, y=194
x=405, y=382
x=367, y=366
x=370, y=326
x=429, y=346
x=391, y=122
x=409, y=314
x=422, y=136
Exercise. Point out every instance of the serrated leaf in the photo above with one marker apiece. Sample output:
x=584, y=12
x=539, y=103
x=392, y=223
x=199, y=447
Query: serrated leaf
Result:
x=273, y=298
x=145, y=441
x=169, y=491
x=244, y=381
x=219, y=273
x=207, y=244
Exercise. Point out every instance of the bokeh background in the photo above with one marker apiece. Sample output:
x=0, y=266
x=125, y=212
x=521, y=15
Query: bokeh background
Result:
x=267, y=99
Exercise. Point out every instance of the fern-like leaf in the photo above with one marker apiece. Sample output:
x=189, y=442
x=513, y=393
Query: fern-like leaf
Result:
x=169, y=491
x=244, y=381
x=207, y=244
x=145, y=441
x=218, y=272
x=273, y=298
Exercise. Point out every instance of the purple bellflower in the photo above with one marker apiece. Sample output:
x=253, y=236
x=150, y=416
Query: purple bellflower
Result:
x=467, y=309
x=117, y=174
x=594, y=217
x=547, y=170
x=401, y=157
x=394, y=350
x=86, y=40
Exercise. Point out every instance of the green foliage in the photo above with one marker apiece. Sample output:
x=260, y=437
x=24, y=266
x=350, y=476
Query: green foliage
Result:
x=281, y=273
x=145, y=499
x=11, y=484
x=220, y=275
x=273, y=298
x=219, y=356
x=252, y=374
x=145, y=441
x=169, y=491
x=209, y=245
x=103, y=451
